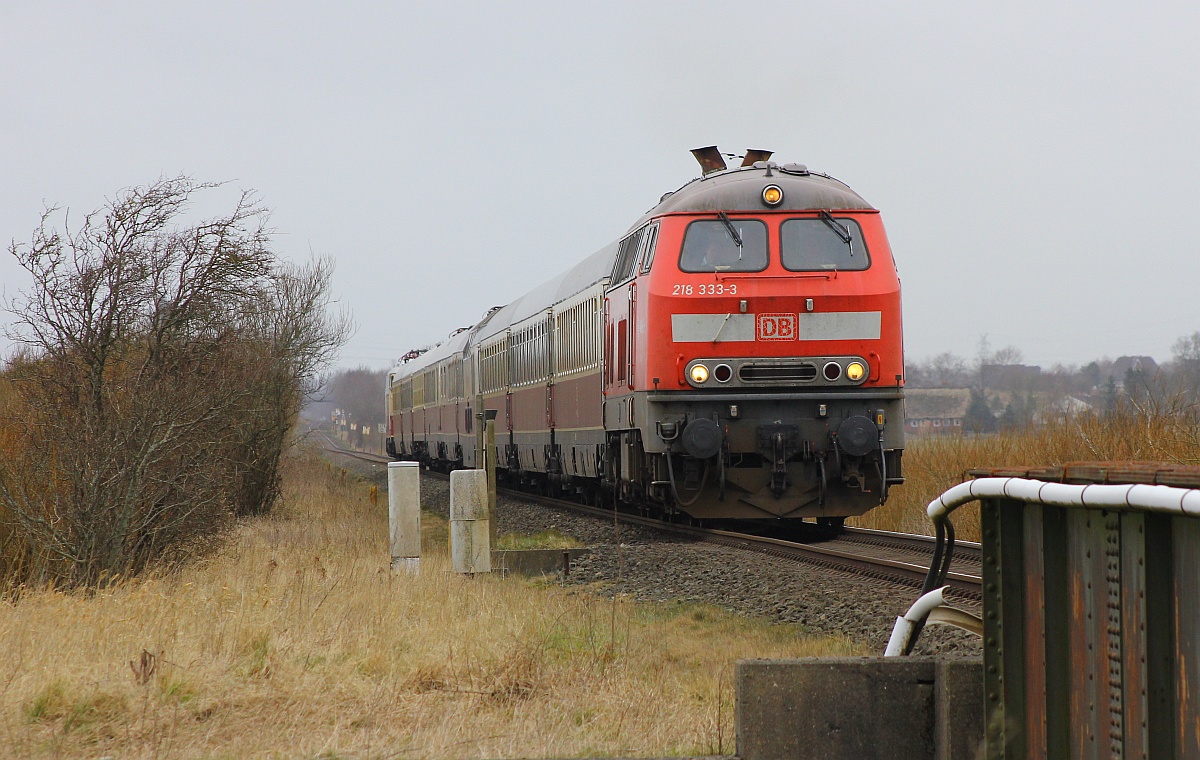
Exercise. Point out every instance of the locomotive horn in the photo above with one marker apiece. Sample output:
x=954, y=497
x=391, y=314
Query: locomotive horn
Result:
x=710, y=159
x=754, y=156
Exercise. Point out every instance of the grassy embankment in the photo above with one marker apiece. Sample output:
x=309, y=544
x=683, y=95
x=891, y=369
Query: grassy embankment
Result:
x=1161, y=433
x=296, y=641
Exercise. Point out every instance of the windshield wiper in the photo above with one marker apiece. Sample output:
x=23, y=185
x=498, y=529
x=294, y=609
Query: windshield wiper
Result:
x=840, y=229
x=733, y=233
x=721, y=329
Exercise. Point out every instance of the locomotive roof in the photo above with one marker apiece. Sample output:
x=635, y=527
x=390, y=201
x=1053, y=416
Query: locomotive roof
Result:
x=740, y=189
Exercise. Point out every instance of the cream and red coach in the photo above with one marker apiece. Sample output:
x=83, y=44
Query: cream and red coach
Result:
x=737, y=354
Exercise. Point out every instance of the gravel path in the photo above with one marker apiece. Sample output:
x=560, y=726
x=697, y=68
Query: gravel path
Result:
x=651, y=565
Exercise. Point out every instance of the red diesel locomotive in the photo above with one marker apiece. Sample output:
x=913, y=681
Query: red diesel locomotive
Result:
x=736, y=354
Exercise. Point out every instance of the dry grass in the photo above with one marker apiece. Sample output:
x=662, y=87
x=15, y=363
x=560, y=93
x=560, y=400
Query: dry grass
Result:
x=547, y=539
x=297, y=642
x=1162, y=432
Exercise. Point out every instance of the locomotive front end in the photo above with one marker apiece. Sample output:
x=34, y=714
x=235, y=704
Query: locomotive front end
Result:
x=773, y=365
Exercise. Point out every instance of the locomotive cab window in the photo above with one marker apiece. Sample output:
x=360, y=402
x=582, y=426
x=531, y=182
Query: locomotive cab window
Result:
x=826, y=243
x=724, y=245
x=627, y=254
x=651, y=241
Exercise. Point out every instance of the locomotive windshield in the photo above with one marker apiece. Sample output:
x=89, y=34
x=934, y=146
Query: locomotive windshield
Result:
x=813, y=245
x=709, y=246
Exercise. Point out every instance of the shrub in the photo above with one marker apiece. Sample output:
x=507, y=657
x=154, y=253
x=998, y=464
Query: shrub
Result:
x=162, y=367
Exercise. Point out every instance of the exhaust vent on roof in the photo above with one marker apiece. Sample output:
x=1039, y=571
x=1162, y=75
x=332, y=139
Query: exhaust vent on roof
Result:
x=710, y=159
x=754, y=156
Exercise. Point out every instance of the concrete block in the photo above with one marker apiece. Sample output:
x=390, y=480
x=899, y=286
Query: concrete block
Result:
x=843, y=708
x=959, y=712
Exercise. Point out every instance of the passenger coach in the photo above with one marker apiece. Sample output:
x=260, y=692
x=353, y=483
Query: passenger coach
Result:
x=737, y=354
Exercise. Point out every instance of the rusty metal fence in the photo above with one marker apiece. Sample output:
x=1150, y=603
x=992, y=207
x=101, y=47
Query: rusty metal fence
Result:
x=1091, y=637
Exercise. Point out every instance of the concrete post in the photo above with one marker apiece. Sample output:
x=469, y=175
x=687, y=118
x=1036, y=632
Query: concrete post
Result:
x=470, y=544
x=404, y=515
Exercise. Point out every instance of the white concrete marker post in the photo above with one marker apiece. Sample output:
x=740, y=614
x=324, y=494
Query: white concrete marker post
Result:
x=404, y=515
x=470, y=539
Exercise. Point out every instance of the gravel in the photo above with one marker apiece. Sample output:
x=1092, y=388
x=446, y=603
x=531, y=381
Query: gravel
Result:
x=655, y=566
x=651, y=565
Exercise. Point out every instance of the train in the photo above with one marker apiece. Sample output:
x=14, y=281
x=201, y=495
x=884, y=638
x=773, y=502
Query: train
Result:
x=737, y=354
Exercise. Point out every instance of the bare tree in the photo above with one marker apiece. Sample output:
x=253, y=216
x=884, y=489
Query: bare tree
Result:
x=161, y=361
x=1008, y=355
x=359, y=393
x=290, y=323
x=1185, y=364
x=946, y=370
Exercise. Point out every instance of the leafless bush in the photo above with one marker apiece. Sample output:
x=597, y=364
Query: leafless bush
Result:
x=163, y=366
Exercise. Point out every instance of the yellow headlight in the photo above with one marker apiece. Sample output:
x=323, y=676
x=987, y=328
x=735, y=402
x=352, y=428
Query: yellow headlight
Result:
x=772, y=195
x=855, y=371
x=699, y=374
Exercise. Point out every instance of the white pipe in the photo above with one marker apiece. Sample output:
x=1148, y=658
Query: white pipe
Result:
x=902, y=631
x=1168, y=499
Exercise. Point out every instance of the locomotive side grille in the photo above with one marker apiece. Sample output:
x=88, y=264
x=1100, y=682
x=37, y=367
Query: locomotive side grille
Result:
x=777, y=373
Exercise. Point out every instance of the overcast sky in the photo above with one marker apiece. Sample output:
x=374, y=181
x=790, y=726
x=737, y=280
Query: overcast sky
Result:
x=1035, y=163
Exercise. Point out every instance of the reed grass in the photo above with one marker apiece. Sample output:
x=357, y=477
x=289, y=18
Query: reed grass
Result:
x=1153, y=431
x=297, y=641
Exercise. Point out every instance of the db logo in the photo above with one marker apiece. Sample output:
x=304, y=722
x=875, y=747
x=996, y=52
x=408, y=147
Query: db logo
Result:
x=776, y=327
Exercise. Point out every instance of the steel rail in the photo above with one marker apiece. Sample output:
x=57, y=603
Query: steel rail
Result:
x=966, y=550
x=333, y=447
x=829, y=555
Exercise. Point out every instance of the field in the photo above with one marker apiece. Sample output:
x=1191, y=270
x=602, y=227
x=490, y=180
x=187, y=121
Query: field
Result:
x=1164, y=432
x=296, y=641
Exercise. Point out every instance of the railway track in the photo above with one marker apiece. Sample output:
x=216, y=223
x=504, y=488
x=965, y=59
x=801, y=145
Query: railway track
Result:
x=901, y=558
